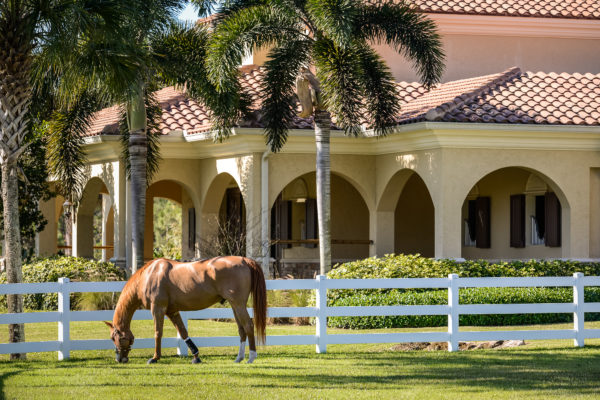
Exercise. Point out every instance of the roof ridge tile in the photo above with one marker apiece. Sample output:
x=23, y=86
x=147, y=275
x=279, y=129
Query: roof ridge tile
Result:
x=438, y=113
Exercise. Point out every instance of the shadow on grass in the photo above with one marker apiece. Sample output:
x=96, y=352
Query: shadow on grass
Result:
x=558, y=369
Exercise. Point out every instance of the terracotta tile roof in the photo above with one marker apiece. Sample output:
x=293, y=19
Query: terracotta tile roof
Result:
x=508, y=97
x=535, y=98
x=577, y=9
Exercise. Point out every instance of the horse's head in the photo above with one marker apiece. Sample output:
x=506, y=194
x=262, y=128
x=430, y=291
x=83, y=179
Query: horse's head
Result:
x=123, y=341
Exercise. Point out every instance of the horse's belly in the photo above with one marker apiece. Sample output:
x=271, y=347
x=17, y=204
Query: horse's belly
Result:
x=191, y=302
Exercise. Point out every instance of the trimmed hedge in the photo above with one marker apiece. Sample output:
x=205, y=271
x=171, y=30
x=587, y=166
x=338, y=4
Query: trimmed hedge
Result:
x=415, y=266
x=50, y=269
x=466, y=296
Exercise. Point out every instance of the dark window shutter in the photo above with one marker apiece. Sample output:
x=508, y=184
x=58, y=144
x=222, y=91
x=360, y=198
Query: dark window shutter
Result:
x=192, y=228
x=472, y=218
x=517, y=220
x=482, y=226
x=312, y=224
x=540, y=215
x=286, y=221
x=553, y=220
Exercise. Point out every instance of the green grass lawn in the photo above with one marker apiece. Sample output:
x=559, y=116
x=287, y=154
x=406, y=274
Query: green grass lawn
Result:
x=539, y=370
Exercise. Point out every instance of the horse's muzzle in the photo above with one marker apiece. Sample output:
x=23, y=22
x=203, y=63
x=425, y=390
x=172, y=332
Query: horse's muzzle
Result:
x=119, y=358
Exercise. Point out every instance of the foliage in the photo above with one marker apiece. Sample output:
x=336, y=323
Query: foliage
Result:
x=50, y=269
x=229, y=239
x=33, y=188
x=466, y=296
x=167, y=229
x=352, y=82
x=415, y=266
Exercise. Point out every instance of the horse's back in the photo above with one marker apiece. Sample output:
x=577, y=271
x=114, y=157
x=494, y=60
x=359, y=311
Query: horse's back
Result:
x=199, y=284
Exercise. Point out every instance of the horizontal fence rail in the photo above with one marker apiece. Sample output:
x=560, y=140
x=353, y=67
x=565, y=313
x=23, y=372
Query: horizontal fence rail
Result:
x=320, y=312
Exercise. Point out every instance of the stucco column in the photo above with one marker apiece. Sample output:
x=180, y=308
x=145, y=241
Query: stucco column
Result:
x=381, y=231
x=250, y=175
x=106, y=205
x=447, y=203
x=119, y=210
x=47, y=238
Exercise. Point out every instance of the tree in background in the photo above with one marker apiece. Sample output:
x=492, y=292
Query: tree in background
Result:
x=167, y=229
x=62, y=30
x=320, y=55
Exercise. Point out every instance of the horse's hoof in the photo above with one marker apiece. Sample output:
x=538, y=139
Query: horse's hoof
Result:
x=239, y=360
x=196, y=360
x=152, y=361
x=251, y=357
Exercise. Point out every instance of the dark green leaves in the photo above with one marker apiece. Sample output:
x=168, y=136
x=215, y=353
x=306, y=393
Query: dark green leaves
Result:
x=279, y=100
x=408, y=32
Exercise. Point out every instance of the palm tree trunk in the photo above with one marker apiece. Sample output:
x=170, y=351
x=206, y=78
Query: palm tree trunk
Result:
x=138, y=149
x=322, y=133
x=12, y=235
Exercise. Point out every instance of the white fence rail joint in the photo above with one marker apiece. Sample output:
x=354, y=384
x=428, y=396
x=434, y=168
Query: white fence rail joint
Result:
x=64, y=316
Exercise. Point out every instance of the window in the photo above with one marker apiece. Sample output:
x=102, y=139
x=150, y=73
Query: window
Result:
x=477, y=224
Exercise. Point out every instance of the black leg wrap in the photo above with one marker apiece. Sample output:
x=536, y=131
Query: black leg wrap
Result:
x=191, y=346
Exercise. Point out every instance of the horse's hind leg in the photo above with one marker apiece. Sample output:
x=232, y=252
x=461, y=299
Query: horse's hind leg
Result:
x=158, y=314
x=246, y=322
x=242, y=333
x=180, y=326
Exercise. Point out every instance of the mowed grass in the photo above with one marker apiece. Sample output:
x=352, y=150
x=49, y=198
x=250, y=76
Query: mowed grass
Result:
x=539, y=370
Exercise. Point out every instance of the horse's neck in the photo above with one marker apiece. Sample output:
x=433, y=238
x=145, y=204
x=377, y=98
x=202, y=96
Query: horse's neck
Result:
x=126, y=306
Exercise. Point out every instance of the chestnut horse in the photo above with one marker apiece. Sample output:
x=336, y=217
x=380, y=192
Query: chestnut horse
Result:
x=167, y=287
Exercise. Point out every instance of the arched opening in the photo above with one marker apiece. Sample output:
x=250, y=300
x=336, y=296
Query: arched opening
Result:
x=405, y=216
x=414, y=223
x=170, y=225
x=94, y=222
x=514, y=213
x=294, y=226
x=224, y=219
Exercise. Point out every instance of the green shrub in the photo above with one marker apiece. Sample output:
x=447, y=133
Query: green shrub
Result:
x=50, y=269
x=466, y=296
x=415, y=266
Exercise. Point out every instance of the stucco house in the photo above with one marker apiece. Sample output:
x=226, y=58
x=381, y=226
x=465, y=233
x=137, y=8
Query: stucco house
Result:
x=496, y=162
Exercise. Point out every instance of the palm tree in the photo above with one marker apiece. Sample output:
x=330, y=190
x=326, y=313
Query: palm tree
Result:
x=320, y=54
x=166, y=54
x=61, y=28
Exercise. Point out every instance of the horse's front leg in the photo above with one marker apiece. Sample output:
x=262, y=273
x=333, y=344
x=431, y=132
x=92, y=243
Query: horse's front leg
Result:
x=178, y=322
x=158, y=314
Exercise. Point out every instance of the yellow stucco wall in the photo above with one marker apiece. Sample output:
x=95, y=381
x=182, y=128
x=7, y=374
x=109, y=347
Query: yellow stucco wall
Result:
x=470, y=56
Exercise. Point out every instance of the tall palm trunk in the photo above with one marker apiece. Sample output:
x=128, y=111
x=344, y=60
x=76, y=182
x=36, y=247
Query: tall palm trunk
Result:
x=322, y=133
x=138, y=148
x=12, y=236
x=15, y=97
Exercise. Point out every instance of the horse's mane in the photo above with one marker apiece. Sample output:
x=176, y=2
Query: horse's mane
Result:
x=126, y=299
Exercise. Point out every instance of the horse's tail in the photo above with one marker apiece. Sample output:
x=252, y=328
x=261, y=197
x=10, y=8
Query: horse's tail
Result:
x=259, y=299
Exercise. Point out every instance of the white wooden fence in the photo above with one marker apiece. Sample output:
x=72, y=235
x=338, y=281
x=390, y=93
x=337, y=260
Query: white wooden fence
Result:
x=64, y=316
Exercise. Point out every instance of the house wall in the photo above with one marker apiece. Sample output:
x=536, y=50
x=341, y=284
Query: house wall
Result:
x=468, y=56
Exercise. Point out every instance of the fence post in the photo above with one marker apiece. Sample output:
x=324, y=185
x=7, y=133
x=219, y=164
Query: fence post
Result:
x=453, y=312
x=579, y=314
x=64, y=308
x=182, y=349
x=321, y=315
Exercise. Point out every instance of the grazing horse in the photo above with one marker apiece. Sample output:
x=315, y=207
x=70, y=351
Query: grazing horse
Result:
x=167, y=287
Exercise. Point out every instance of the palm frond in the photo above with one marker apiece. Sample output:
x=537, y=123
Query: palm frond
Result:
x=65, y=153
x=277, y=90
x=339, y=72
x=409, y=32
x=335, y=19
x=153, y=158
x=241, y=33
x=380, y=94
x=180, y=58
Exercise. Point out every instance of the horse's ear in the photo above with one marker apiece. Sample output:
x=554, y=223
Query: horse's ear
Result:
x=110, y=325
